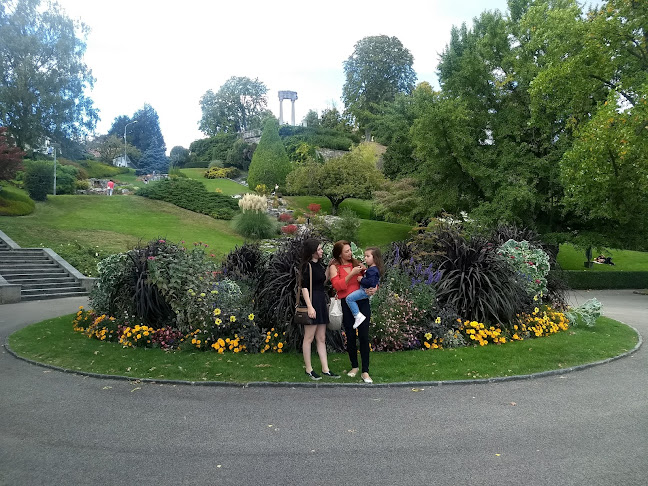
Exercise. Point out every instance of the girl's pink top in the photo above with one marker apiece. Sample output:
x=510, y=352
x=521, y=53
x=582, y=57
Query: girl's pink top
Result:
x=339, y=284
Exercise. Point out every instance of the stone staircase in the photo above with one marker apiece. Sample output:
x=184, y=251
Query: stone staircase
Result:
x=37, y=273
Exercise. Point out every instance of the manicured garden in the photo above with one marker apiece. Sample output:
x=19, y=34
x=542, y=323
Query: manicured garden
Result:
x=454, y=305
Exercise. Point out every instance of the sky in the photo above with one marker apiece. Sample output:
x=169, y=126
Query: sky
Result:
x=168, y=54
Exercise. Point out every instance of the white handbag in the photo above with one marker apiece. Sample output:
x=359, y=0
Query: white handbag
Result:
x=335, y=315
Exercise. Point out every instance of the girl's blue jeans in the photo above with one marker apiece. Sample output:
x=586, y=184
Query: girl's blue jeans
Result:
x=353, y=297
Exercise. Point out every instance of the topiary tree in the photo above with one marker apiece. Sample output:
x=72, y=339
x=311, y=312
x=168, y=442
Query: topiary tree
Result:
x=270, y=164
x=154, y=159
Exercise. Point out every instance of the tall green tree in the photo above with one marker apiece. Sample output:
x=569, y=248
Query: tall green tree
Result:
x=239, y=105
x=379, y=68
x=141, y=134
x=154, y=159
x=42, y=74
x=270, y=164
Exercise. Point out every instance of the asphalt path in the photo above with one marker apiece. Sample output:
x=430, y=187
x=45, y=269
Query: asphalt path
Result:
x=589, y=427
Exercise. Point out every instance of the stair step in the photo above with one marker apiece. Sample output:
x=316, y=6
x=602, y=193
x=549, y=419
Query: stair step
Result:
x=61, y=295
x=20, y=274
x=26, y=268
x=48, y=280
x=41, y=291
x=52, y=285
x=11, y=261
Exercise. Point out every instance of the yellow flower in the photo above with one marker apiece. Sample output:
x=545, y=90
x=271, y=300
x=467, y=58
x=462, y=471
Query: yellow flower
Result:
x=276, y=335
x=426, y=344
x=232, y=319
x=437, y=320
x=217, y=312
x=428, y=336
x=251, y=317
x=218, y=321
x=280, y=345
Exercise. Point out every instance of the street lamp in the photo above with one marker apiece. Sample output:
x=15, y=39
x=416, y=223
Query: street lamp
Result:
x=125, y=127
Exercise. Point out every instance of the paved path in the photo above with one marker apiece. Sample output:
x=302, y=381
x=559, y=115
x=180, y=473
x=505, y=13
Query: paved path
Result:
x=584, y=428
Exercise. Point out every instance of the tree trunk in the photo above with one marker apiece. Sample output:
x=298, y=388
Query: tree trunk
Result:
x=367, y=134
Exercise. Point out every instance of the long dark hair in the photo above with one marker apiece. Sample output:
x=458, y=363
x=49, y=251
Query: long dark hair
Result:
x=377, y=258
x=337, y=252
x=310, y=247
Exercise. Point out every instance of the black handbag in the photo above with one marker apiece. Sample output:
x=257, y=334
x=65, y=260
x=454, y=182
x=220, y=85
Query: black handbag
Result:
x=301, y=311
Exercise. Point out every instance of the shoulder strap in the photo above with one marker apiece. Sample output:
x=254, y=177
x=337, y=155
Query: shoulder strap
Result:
x=310, y=286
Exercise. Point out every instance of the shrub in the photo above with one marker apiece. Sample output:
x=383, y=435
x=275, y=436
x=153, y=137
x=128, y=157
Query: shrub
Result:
x=591, y=279
x=314, y=208
x=245, y=262
x=285, y=217
x=222, y=173
x=14, y=202
x=476, y=282
x=289, y=229
x=191, y=194
x=39, y=179
x=253, y=202
x=82, y=185
x=254, y=224
x=531, y=264
x=345, y=227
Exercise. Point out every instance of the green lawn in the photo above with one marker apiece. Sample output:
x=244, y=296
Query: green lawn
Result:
x=229, y=188
x=362, y=207
x=572, y=258
x=54, y=342
x=116, y=223
x=380, y=233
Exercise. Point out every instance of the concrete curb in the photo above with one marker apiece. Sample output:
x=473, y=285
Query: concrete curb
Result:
x=404, y=384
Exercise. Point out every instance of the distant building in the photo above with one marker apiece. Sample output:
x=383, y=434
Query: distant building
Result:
x=122, y=161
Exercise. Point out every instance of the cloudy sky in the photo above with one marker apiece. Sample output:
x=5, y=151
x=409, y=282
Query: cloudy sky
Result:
x=168, y=54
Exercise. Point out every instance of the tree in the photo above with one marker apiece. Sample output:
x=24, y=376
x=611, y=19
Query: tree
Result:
x=399, y=201
x=351, y=175
x=605, y=173
x=311, y=119
x=10, y=157
x=379, y=68
x=110, y=147
x=140, y=134
x=43, y=76
x=238, y=105
x=240, y=154
x=39, y=179
x=270, y=164
x=179, y=156
x=154, y=159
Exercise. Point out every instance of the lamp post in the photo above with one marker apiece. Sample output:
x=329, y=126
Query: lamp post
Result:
x=54, y=146
x=125, y=127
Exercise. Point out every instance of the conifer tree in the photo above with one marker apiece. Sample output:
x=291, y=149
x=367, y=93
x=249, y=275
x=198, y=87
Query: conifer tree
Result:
x=270, y=164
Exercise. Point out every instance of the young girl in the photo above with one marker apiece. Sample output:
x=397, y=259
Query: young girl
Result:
x=374, y=262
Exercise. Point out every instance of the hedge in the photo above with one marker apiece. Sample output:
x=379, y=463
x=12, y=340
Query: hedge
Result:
x=584, y=279
x=192, y=195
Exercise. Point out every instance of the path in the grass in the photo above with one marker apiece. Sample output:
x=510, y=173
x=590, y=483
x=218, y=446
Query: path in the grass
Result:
x=583, y=428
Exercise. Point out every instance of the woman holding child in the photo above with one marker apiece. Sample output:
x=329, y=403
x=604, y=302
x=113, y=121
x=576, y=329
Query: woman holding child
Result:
x=345, y=273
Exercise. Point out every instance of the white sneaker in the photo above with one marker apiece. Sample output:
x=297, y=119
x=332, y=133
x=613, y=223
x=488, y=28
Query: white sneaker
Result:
x=359, y=319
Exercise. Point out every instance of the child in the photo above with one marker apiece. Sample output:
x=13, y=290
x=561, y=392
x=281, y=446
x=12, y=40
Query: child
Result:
x=374, y=262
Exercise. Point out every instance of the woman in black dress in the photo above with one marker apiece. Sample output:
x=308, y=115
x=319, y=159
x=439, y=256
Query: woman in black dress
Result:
x=317, y=307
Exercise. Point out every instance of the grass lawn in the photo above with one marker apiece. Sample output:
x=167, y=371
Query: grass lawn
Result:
x=54, y=342
x=229, y=188
x=362, y=207
x=380, y=233
x=116, y=224
x=572, y=258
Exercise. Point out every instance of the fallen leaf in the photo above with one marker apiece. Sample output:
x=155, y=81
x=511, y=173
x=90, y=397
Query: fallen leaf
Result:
x=106, y=387
x=498, y=455
x=262, y=365
x=134, y=389
x=417, y=389
x=270, y=425
x=513, y=404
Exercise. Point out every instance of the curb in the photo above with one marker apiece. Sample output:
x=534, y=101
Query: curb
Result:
x=403, y=384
